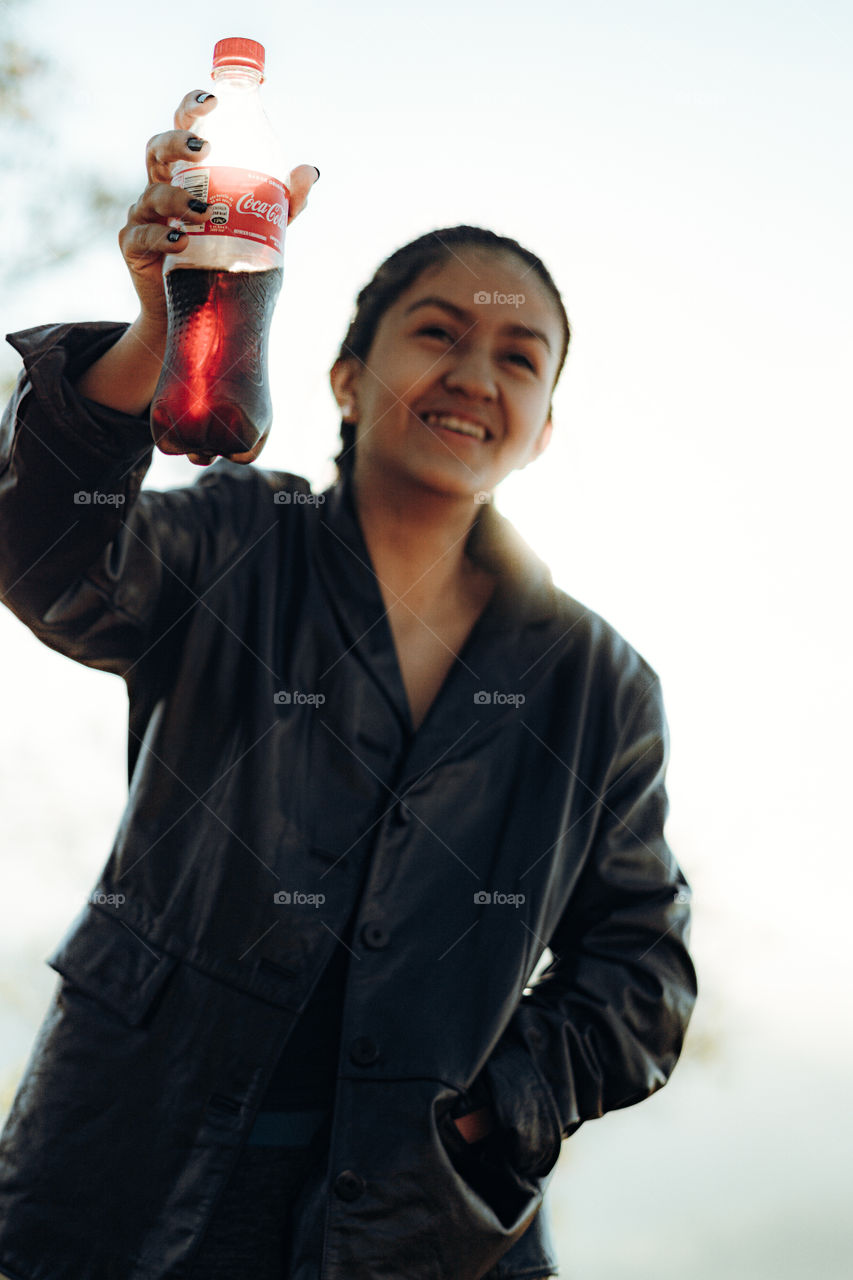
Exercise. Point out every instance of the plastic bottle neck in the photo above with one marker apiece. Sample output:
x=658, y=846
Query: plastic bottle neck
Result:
x=237, y=77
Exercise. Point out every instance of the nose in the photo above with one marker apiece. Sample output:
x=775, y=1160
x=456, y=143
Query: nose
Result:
x=471, y=372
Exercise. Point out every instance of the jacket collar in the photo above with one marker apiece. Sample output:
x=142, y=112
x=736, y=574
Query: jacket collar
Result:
x=524, y=593
x=509, y=650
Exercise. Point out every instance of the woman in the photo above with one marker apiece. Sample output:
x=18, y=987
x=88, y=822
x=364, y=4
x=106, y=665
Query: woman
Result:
x=377, y=764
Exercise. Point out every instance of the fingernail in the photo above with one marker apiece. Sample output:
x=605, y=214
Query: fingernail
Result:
x=195, y=144
x=198, y=206
x=174, y=235
x=203, y=97
x=318, y=173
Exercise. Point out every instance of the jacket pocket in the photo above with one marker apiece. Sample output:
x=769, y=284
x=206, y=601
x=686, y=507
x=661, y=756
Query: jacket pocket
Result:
x=106, y=960
x=486, y=1170
x=524, y=1109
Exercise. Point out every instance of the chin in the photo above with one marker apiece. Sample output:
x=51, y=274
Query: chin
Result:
x=450, y=478
x=442, y=480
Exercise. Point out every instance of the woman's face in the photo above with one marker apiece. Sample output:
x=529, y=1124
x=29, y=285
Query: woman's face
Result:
x=472, y=346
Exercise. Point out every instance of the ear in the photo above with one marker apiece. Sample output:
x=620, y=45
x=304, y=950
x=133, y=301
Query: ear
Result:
x=542, y=442
x=343, y=377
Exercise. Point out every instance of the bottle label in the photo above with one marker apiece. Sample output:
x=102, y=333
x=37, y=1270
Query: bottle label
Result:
x=243, y=203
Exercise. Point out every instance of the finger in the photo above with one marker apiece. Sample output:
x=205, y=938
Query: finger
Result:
x=155, y=224
x=164, y=149
x=299, y=183
x=201, y=459
x=197, y=103
x=141, y=245
x=160, y=202
x=251, y=454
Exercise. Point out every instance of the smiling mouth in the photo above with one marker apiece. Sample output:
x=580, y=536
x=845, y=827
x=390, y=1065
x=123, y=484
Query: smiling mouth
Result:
x=459, y=426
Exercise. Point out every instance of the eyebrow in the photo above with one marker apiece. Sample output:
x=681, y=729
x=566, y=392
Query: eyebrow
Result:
x=515, y=330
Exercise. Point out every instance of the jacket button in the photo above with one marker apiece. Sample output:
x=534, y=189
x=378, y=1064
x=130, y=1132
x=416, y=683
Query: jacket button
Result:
x=373, y=935
x=364, y=1051
x=349, y=1185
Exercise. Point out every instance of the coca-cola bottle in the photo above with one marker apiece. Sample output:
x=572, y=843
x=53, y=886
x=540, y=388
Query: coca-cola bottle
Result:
x=213, y=394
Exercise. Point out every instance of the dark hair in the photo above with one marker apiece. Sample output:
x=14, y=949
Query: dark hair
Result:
x=401, y=269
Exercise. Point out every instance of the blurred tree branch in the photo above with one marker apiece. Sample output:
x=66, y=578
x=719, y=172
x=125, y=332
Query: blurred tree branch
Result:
x=53, y=210
x=18, y=67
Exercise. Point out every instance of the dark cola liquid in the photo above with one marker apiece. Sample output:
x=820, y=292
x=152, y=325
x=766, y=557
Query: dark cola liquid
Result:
x=213, y=394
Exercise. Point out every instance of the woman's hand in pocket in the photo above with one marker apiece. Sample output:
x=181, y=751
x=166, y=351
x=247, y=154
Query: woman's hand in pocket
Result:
x=476, y=1124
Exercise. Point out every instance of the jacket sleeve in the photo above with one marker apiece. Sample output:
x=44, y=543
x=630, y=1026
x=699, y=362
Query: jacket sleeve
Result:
x=603, y=1026
x=95, y=568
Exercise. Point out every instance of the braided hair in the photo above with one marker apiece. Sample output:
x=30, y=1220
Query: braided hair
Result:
x=398, y=272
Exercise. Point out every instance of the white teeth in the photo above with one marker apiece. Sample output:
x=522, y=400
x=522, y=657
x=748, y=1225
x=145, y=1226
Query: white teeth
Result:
x=461, y=425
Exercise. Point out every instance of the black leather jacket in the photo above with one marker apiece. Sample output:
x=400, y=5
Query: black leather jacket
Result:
x=271, y=753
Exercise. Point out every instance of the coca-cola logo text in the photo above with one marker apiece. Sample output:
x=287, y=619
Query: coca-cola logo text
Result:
x=261, y=209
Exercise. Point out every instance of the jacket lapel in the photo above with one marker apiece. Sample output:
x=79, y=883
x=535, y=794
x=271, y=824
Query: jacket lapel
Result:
x=344, y=564
x=501, y=660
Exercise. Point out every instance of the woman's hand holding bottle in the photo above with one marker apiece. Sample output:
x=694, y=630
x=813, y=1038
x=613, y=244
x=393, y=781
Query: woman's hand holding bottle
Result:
x=126, y=376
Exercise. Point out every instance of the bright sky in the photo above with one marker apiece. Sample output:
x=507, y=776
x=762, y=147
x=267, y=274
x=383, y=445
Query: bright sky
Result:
x=683, y=170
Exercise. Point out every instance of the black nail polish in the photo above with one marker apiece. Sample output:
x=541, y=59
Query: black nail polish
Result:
x=317, y=179
x=174, y=235
x=195, y=144
x=203, y=97
x=198, y=206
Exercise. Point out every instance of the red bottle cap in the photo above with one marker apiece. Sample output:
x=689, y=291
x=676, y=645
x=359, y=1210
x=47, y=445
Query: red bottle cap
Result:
x=237, y=52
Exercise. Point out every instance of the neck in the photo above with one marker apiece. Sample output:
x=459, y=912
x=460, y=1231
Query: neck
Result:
x=416, y=536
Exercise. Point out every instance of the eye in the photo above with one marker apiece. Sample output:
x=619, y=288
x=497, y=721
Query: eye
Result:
x=445, y=333
x=517, y=355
